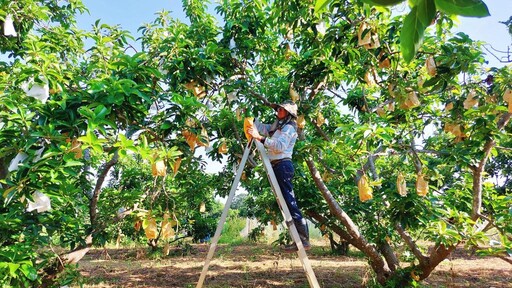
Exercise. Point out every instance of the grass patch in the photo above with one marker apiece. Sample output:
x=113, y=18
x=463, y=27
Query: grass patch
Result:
x=231, y=232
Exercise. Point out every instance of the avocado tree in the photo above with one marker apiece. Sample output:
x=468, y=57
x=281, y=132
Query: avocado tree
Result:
x=71, y=113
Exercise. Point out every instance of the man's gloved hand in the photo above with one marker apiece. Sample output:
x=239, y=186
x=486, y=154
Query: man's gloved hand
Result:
x=255, y=134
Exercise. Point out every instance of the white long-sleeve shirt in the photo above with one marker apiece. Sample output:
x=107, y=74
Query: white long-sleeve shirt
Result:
x=280, y=144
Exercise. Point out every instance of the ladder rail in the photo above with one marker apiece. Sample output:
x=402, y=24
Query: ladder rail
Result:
x=310, y=274
x=313, y=282
x=224, y=215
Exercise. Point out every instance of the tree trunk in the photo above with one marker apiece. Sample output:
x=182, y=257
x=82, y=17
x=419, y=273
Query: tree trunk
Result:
x=378, y=264
x=77, y=254
x=438, y=254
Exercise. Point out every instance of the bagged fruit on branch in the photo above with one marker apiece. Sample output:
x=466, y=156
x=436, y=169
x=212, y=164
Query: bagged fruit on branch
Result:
x=411, y=101
x=137, y=225
x=507, y=97
x=470, y=101
x=76, y=147
x=380, y=111
x=401, y=184
x=448, y=107
x=320, y=120
x=293, y=94
x=158, y=168
x=421, y=186
x=223, y=148
x=203, y=139
x=365, y=191
x=149, y=226
x=167, y=230
x=274, y=225
x=248, y=124
x=166, y=249
x=301, y=121
x=364, y=34
x=191, y=139
x=374, y=42
x=430, y=65
x=384, y=61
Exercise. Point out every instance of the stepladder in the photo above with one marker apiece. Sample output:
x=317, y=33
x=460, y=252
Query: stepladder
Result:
x=306, y=264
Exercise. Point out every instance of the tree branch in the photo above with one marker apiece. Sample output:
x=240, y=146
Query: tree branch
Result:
x=411, y=244
x=93, y=203
x=478, y=170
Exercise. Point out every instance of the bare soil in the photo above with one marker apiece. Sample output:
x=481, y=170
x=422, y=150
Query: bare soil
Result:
x=260, y=265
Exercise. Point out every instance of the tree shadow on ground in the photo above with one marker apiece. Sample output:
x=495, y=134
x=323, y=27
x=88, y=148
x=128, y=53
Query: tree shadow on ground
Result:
x=264, y=266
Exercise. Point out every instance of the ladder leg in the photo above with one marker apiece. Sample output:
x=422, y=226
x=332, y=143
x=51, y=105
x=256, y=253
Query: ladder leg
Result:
x=310, y=274
x=224, y=215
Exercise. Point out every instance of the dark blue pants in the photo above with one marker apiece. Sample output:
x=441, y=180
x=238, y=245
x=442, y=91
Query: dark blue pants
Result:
x=284, y=173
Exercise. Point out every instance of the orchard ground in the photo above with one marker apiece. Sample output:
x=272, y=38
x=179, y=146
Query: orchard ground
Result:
x=249, y=264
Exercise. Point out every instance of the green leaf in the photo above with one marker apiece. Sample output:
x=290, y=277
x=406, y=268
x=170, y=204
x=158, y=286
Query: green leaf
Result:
x=29, y=272
x=101, y=111
x=468, y=8
x=412, y=34
x=86, y=112
x=383, y=2
x=12, y=269
x=426, y=12
x=320, y=6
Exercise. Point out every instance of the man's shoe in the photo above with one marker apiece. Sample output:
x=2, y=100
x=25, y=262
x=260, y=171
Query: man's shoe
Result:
x=293, y=248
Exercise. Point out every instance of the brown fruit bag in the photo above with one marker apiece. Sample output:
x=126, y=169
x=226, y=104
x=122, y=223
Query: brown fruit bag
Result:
x=365, y=191
x=191, y=139
x=150, y=228
x=412, y=101
x=76, y=147
x=203, y=139
x=421, y=186
x=507, y=97
x=470, y=101
x=167, y=231
x=430, y=65
x=248, y=124
x=401, y=184
x=223, y=148
x=158, y=168
x=301, y=121
x=294, y=95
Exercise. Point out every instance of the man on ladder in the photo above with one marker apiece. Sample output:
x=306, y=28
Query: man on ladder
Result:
x=278, y=139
